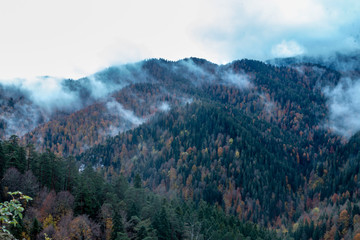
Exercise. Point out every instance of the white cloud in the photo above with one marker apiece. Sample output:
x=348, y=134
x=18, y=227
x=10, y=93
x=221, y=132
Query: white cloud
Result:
x=45, y=92
x=287, y=49
x=240, y=81
x=65, y=38
x=344, y=111
x=164, y=106
x=115, y=108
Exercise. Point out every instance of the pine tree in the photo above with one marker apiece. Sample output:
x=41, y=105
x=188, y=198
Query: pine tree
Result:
x=35, y=229
x=2, y=161
x=122, y=236
x=137, y=181
x=120, y=187
x=21, y=160
x=89, y=193
x=118, y=227
x=162, y=225
x=142, y=233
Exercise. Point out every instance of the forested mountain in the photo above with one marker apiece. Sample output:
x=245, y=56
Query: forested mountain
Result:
x=211, y=147
x=69, y=204
x=346, y=63
x=273, y=94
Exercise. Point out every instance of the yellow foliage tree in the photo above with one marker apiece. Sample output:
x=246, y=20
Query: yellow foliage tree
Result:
x=49, y=220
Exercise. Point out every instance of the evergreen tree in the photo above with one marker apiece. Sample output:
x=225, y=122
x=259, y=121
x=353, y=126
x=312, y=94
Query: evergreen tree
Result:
x=162, y=225
x=35, y=229
x=88, y=194
x=120, y=187
x=137, y=181
x=118, y=228
x=122, y=236
x=2, y=161
x=22, y=162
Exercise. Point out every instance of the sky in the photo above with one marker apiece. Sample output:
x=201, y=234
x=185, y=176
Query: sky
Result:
x=75, y=38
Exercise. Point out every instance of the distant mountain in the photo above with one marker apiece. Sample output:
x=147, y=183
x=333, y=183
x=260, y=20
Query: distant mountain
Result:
x=136, y=94
x=27, y=104
x=255, y=139
x=346, y=63
x=238, y=142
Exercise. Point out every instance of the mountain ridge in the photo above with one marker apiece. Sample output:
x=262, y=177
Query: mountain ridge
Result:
x=251, y=138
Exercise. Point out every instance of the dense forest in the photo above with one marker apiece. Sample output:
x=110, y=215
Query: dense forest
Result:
x=186, y=150
x=72, y=204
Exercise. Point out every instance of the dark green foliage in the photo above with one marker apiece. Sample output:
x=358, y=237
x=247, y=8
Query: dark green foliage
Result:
x=212, y=194
x=136, y=213
x=122, y=236
x=137, y=181
x=89, y=193
x=120, y=186
x=198, y=127
x=162, y=225
x=225, y=158
x=2, y=161
x=35, y=229
x=14, y=154
x=118, y=227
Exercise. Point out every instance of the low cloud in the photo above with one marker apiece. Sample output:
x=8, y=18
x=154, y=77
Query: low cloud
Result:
x=115, y=108
x=287, y=49
x=20, y=121
x=239, y=80
x=269, y=105
x=48, y=94
x=164, y=106
x=26, y=103
x=206, y=74
x=344, y=110
x=198, y=75
x=126, y=119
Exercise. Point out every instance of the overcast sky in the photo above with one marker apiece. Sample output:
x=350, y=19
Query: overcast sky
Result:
x=74, y=38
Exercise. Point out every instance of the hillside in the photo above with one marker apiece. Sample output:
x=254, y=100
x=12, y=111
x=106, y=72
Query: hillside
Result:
x=270, y=93
x=260, y=143
x=72, y=204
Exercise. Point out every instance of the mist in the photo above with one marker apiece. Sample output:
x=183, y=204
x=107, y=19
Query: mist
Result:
x=128, y=119
x=115, y=108
x=343, y=103
x=239, y=80
x=209, y=73
x=164, y=106
x=26, y=103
